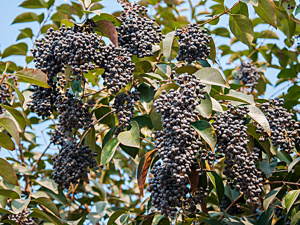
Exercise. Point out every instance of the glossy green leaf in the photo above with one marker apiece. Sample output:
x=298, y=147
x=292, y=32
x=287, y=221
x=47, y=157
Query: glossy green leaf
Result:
x=33, y=76
x=11, y=128
x=293, y=164
x=146, y=92
x=290, y=199
x=101, y=207
x=109, y=150
x=218, y=184
x=268, y=167
x=266, y=11
x=236, y=98
x=115, y=216
x=270, y=197
x=287, y=73
x=167, y=45
x=6, y=142
x=252, y=2
x=207, y=132
x=257, y=115
x=45, y=216
x=242, y=28
x=34, y=4
x=18, y=205
x=105, y=16
x=266, y=217
x=26, y=17
x=90, y=140
x=156, y=119
x=17, y=49
x=25, y=33
x=48, y=203
x=295, y=219
x=17, y=115
x=205, y=108
x=9, y=193
x=67, y=23
x=7, y=172
x=211, y=76
x=48, y=183
x=108, y=30
x=131, y=138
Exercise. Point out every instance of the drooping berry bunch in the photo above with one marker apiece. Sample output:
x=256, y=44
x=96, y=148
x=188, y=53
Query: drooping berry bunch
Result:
x=178, y=143
x=285, y=131
x=192, y=43
x=232, y=141
x=118, y=67
x=124, y=106
x=168, y=193
x=21, y=218
x=73, y=114
x=4, y=95
x=137, y=33
x=235, y=209
x=249, y=74
x=72, y=163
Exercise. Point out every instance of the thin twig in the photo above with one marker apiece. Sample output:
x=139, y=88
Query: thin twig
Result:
x=231, y=205
x=284, y=13
x=256, y=49
x=2, y=79
x=33, y=167
x=216, y=17
x=87, y=131
x=93, y=93
x=282, y=182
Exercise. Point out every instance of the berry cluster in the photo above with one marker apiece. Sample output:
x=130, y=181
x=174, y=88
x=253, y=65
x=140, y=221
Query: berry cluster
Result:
x=278, y=212
x=168, y=193
x=192, y=43
x=124, y=106
x=118, y=67
x=285, y=131
x=232, y=141
x=235, y=209
x=137, y=33
x=21, y=218
x=248, y=74
x=72, y=163
x=178, y=147
x=4, y=95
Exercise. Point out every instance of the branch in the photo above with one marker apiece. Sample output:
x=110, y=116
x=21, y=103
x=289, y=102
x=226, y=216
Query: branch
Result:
x=284, y=13
x=231, y=205
x=87, y=131
x=33, y=167
x=216, y=17
x=282, y=182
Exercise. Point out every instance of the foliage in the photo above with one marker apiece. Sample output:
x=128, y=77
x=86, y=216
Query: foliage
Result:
x=115, y=192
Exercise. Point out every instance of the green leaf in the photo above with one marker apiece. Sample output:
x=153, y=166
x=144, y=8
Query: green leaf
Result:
x=9, y=193
x=6, y=142
x=287, y=73
x=146, y=92
x=90, y=140
x=270, y=197
x=76, y=85
x=115, y=216
x=108, y=30
x=240, y=8
x=268, y=167
x=48, y=203
x=109, y=150
x=213, y=52
x=205, y=108
x=11, y=128
x=186, y=69
x=101, y=207
x=17, y=115
x=34, y=4
x=266, y=217
x=242, y=28
x=165, y=87
x=294, y=163
x=33, y=76
x=48, y=183
x=105, y=16
x=18, y=205
x=25, y=33
x=287, y=26
x=266, y=11
x=7, y=172
x=156, y=119
x=26, y=17
x=167, y=45
x=218, y=184
x=131, y=138
x=124, y=219
x=290, y=199
x=67, y=23
x=236, y=98
x=252, y=2
x=211, y=76
x=295, y=219
x=45, y=216
x=207, y=132
x=257, y=115
x=143, y=168
x=17, y=49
